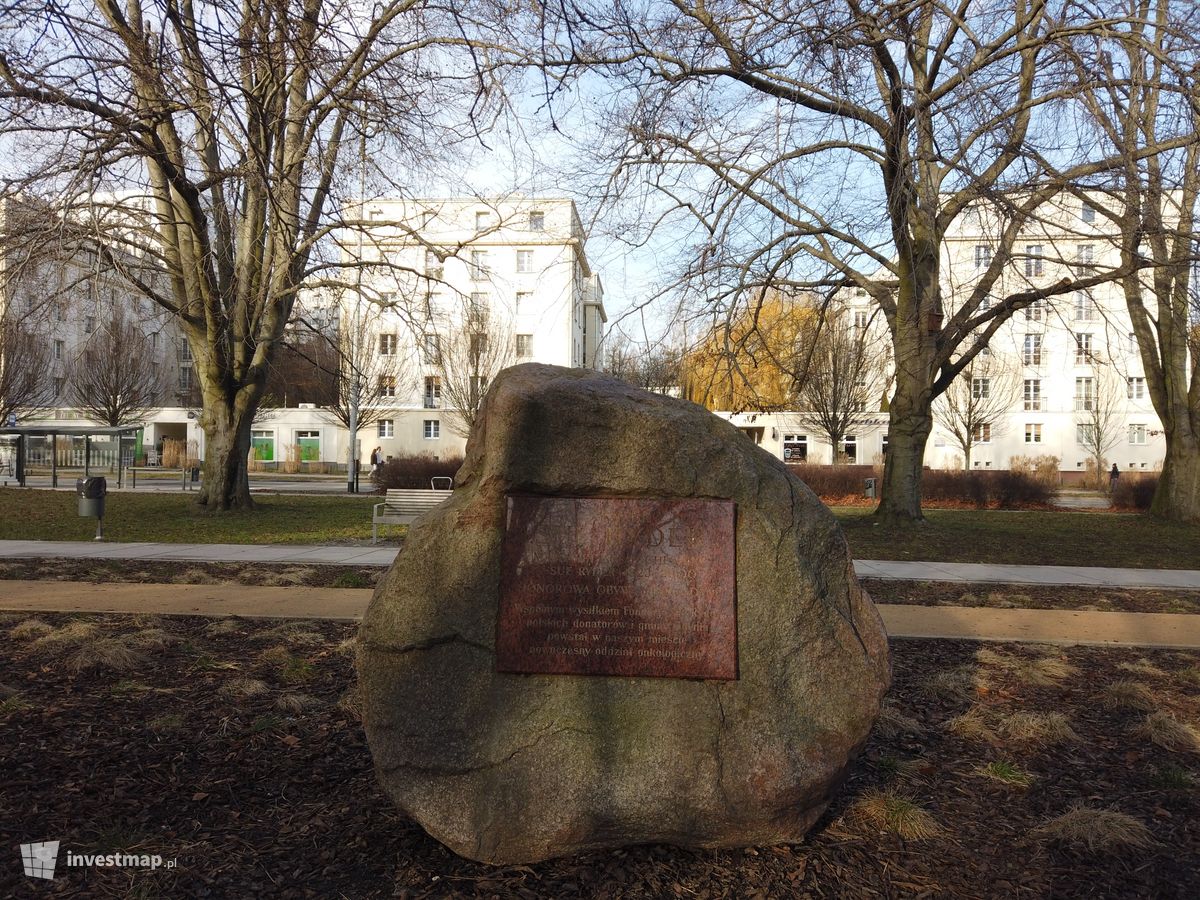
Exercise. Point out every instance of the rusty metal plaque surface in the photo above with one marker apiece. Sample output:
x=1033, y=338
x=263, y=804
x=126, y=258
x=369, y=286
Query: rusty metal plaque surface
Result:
x=618, y=586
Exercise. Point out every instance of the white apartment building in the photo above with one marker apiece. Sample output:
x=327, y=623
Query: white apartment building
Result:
x=1054, y=361
x=518, y=266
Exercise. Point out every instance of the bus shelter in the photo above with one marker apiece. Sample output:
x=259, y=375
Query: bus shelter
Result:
x=19, y=439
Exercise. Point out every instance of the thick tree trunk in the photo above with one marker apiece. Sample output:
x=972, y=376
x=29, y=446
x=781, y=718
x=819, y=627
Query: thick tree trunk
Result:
x=910, y=422
x=226, y=425
x=1177, y=497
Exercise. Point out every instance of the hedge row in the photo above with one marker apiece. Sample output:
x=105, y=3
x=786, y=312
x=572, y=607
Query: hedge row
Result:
x=1134, y=491
x=414, y=471
x=984, y=490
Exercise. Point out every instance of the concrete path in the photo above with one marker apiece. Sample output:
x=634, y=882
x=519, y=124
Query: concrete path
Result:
x=366, y=555
x=1081, y=500
x=1040, y=625
x=324, y=554
x=986, y=573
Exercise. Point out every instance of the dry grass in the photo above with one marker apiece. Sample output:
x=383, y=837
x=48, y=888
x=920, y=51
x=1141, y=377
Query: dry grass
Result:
x=297, y=703
x=892, y=723
x=170, y=722
x=1096, y=830
x=104, y=655
x=275, y=656
x=1006, y=773
x=287, y=578
x=295, y=634
x=958, y=684
x=153, y=639
x=1044, y=672
x=71, y=633
x=29, y=629
x=1166, y=731
x=229, y=625
x=348, y=647
x=195, y=576
x=888, y=810
x=244, y=688
x=1037, y=728
x=351, y=703
x=972, y=725
x=1125, y=693
x=1142, y=667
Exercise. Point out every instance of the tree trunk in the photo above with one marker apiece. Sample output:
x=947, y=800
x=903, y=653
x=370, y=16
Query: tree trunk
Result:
x=226, y=426
x=909, y=426
x=1177, y=497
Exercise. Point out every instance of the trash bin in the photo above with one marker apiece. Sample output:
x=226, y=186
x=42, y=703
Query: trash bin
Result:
x=869, y=488
x=91, y=491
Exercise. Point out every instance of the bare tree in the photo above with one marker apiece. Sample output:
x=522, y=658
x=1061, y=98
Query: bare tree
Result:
x=24, y=372
x=837, y=145
x=366, y=376
x=208, y=142
x=844, y=379
x=467, y=357
x=974, y=407
x=116, y=377
x=655, y=367
x=1099, y=416
x=1139, y=80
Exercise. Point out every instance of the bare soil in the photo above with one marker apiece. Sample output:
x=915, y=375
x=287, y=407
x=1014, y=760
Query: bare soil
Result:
x=198, y=751
x=104, y=571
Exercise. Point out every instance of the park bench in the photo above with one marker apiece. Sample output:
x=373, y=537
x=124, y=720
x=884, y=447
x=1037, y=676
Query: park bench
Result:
x=402, y=507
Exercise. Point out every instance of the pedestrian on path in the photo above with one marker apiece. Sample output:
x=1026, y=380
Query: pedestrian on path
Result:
x=1112, y=478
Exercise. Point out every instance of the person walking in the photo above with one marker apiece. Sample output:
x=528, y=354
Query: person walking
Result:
x=1113, y=475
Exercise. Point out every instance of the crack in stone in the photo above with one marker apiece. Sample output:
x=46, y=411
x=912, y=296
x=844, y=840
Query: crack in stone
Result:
x=486, y=764
x=429, y=644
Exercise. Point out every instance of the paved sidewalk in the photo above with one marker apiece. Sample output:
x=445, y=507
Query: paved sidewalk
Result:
x=1040, y=625
x=367, y=555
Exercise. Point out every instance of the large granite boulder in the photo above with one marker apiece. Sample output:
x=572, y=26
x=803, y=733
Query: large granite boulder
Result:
x=512, y=768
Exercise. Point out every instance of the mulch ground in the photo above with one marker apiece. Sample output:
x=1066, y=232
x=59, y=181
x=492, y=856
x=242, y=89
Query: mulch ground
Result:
x=233, y=747
x=105, y=571
x=1032, y=596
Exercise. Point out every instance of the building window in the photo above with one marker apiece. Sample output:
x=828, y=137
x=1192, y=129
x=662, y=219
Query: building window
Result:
x=387, y=428
x=1083, y=349
x=154, y=340
x=1137, y=434
x=860, y=319
x=89, y=324
x=263, y=444
x=1133, y=347
x=185, y=378
x=1084, y=395
x=477, y=385
x=479, y=265
x=795, y=447
x=1137, y=388
x=1033, y=433
x=431, y=353
x=185, y=350
x=433, y=392
x=524, y=262
x=309, y=443
x=1086, y=259
x=1083, y=434
x=60, y=349
x=433, y=429
x=524, y=346
x=1087, y=212
x=524, y=299
x=1033, y=312
x=433, y=265
x=983, y=256
x=482, y=220
x=981, y=388
x=479, y=304
x=1085, y=309
x=1033, y=393
x=1033, y=260
x=1032, y=351
x=387, y=344
x=982, y=433
x=60, y=385
x=387, y=385
x=986, y=303
x=537, y=220
x=479, y=344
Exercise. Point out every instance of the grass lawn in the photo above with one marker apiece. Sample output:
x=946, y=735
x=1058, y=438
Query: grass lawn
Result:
x=1031, y=538
x=175, y=518
x=233, y=747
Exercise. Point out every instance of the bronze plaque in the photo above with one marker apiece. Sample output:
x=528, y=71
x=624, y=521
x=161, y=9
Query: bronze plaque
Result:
x=616, y=586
